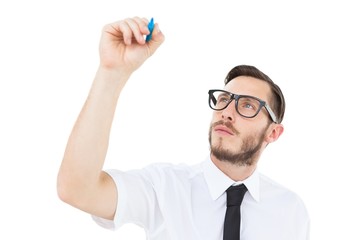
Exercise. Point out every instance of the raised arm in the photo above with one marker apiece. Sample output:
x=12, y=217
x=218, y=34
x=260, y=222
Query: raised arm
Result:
x=82, y=182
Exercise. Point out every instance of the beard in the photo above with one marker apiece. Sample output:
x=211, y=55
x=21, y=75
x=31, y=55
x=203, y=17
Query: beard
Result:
x=247, y=152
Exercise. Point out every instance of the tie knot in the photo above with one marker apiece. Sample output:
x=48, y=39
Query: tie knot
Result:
x=235, y=195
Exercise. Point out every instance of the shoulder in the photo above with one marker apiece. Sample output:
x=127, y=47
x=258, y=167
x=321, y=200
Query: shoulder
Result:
x=171, y=171
x=159, y=172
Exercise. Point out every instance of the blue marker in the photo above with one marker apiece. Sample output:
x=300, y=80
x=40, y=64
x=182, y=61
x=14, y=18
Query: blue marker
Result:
x=151, y=28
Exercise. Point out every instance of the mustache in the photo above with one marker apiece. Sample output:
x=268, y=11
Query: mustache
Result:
x=226, y=124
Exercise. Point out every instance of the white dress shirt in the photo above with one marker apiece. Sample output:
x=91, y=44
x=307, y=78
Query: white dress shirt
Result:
x=189, y=203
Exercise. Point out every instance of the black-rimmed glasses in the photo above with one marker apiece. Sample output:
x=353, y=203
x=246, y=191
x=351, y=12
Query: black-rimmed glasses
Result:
x=246, y=106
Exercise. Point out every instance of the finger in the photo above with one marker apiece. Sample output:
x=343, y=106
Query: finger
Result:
x=157, y=38
x=126, y=31
x=143, y=25
x=138, y=28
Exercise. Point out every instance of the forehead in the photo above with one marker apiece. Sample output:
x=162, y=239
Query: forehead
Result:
x=244, y=85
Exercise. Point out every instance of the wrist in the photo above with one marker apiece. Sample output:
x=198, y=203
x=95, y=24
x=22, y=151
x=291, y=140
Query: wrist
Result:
x=110, y=81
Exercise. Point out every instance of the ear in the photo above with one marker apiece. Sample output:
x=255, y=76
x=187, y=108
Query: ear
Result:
x=275, y=132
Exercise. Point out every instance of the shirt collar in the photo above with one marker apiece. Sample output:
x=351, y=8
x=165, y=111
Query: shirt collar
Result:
x=218, y=182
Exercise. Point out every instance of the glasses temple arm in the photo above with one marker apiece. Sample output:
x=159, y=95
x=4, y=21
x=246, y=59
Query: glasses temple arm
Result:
x=271, y=113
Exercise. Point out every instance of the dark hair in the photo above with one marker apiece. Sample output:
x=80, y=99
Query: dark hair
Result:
x=277, y=99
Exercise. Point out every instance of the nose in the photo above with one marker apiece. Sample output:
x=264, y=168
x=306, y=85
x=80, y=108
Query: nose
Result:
x=229, y=111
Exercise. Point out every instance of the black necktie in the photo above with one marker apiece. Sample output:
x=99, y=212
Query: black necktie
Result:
x=235, y=195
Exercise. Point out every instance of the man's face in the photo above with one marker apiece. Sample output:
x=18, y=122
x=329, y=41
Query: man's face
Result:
x=237, y=139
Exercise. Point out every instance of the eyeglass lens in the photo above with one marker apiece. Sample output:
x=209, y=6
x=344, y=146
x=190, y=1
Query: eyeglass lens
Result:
x=246, y=105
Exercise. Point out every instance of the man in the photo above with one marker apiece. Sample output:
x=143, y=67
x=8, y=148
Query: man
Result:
x=179, y=201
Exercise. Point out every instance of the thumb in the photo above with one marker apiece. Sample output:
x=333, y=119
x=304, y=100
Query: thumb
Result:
x=157, y=39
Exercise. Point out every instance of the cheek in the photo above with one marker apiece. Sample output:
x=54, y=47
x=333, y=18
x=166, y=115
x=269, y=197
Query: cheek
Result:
x=215, y=118
x=216, y=115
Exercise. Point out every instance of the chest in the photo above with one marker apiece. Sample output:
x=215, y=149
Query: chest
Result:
x=194, y=214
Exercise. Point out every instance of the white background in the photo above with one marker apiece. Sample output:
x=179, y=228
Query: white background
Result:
x=48, y=58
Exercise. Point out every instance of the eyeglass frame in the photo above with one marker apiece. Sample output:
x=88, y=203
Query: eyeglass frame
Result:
x=237, y=97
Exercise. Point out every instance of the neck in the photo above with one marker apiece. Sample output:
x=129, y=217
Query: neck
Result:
x=235, y=172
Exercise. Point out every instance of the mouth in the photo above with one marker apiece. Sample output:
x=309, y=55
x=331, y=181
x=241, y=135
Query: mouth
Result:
x=223, y=130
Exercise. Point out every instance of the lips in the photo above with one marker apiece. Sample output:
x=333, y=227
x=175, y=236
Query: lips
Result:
x=222, y=129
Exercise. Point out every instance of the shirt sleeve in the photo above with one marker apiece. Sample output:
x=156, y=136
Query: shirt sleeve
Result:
x=137, y=202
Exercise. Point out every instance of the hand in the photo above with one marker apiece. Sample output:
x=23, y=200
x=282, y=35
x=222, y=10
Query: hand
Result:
x=123, y=47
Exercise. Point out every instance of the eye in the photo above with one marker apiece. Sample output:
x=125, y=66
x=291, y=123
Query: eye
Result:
x=248, y=104
x=223, y=99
